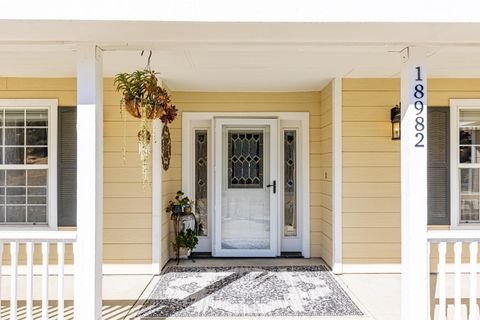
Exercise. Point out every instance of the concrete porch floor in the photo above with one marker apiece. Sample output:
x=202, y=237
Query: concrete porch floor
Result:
x=377, y=295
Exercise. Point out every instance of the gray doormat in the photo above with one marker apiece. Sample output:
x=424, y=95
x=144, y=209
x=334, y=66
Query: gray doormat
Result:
x=247, y=291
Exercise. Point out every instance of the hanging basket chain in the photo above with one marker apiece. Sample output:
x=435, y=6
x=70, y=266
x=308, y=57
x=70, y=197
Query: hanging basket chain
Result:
x=147, y=67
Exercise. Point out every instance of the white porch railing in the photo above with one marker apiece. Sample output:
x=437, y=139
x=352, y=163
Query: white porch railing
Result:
x=16, y=238
x=459, y=239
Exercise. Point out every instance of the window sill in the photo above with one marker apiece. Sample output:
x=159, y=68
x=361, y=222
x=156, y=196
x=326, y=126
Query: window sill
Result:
x=27, y=228
x=67, y=228
x=466, y=226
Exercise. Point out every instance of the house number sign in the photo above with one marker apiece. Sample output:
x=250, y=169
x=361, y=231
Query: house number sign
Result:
x=419, y=94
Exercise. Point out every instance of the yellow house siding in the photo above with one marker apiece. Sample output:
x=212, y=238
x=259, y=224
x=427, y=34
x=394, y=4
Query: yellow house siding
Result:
x=371, y=165
x=323, y=222
x=270, y=102
x=371, y=172
x=171, y=183
x=127, y=207
x=128, y=240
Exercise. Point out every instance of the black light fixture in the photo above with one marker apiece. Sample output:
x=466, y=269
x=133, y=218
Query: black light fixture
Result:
x=395, y=117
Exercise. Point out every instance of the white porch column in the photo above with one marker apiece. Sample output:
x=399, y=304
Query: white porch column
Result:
x=88, y=250
x=157, y=198
x=337, y=176
x=414, y=184
x=157, y=207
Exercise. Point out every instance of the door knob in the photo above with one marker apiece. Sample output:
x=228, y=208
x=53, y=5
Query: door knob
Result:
x=274, y=185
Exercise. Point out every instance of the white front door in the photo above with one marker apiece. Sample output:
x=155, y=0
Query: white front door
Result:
x=246, y=187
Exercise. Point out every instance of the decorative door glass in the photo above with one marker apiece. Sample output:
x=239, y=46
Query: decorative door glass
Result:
x=290, y=183
x=245, y=159
x=201, y=180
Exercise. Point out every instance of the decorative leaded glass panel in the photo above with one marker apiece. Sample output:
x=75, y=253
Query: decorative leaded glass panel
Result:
x=201, y=180
x=245, y=159
x=290, y=180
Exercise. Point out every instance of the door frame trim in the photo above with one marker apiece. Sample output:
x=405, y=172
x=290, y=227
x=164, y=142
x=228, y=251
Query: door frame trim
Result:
x=190, y=120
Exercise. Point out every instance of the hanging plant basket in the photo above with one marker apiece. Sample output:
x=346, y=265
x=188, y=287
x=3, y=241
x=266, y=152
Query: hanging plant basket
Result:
x=135, y=109
x=144, y=99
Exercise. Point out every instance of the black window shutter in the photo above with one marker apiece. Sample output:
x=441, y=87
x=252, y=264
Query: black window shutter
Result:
x=438, y=165
x=67, y=166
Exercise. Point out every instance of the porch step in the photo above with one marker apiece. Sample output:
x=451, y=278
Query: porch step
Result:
x=291, y=255
x=201, y=255
x=208, y=255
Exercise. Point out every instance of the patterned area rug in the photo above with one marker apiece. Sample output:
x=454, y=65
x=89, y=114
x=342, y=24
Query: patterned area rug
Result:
x=247, y=291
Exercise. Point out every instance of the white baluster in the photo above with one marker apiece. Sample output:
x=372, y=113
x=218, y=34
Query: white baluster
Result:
x=75, y=255
x=1, y=262
x=473, y=280
x=13, y=280
x=457, y=248
x=61, y=263
x=428, y=279
x=30, y=250
x=45, y=256
x=442, y=252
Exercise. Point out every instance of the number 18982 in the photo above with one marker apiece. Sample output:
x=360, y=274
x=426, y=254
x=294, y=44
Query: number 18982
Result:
x=419, y=107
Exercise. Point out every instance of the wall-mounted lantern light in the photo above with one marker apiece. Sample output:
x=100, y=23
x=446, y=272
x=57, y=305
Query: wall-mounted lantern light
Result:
x=395, y=116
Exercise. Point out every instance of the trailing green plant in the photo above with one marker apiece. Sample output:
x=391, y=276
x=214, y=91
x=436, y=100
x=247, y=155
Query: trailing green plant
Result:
x=144, y=98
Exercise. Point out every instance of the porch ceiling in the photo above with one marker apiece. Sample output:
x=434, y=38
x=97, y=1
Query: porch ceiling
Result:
x=239, y=56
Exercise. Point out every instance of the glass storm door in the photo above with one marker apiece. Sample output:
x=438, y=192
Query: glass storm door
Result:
x=246, y=187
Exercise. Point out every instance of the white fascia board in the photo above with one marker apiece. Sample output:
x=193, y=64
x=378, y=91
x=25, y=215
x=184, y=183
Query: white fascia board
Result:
x=246, y=10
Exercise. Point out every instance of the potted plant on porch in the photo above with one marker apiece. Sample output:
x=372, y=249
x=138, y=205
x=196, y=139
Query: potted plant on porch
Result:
x=185, y=225
x=185, y=240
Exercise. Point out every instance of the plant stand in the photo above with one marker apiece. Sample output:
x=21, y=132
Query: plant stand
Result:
x=181, y=222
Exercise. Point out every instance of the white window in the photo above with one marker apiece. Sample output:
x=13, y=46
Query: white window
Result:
x=465, y=163
x=28, y=163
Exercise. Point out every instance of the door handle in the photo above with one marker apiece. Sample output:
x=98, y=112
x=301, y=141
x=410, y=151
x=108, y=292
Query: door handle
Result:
x=274, y=185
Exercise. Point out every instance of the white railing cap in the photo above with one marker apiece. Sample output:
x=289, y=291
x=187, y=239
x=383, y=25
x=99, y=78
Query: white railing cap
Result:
x=38, y=236
x=453, y=235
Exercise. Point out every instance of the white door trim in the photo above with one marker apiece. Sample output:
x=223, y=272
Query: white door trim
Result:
x=191, y=119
